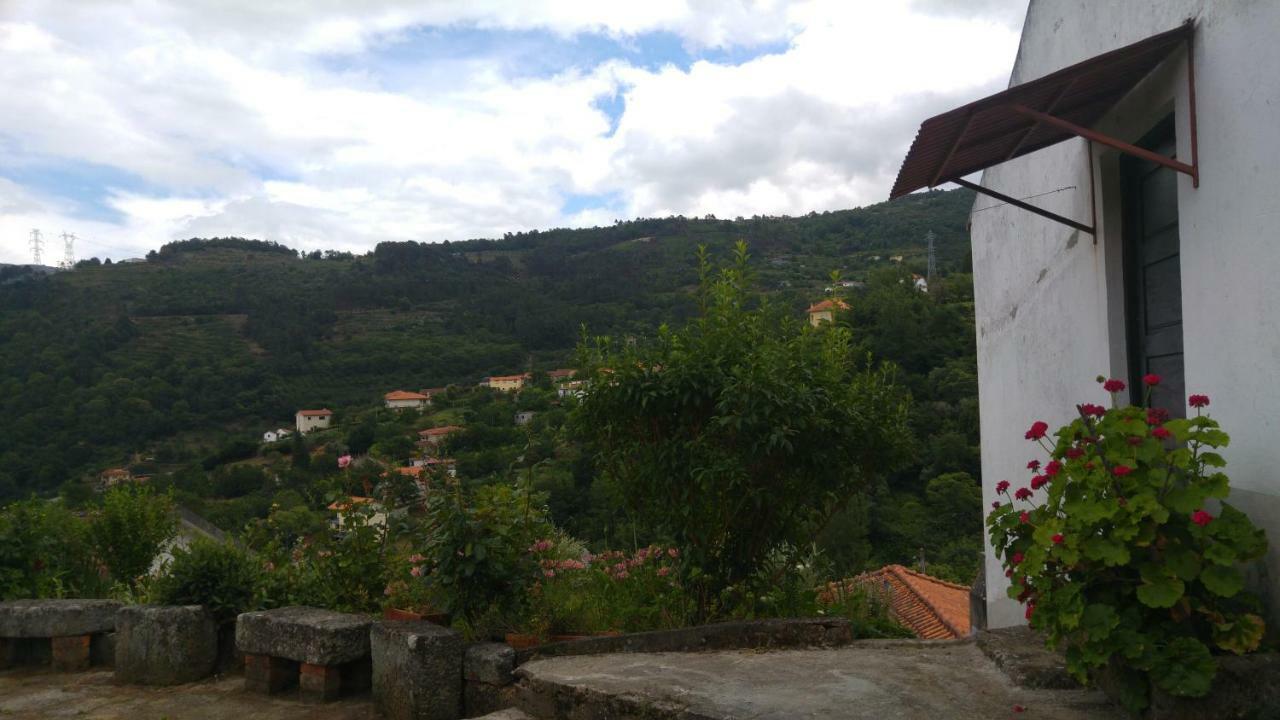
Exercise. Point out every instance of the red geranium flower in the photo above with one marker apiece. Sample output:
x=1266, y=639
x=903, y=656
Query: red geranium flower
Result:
x=1033, y=465
x=1024, y=517
x=1155, y=416
x=1037, y=431
x=1031, y=608
x=1162, y=433
x=1074, y=452
x=1057, y=539
x=1201, y=518
x=1022, y=494
x=995, y=505
x=1121, y=470
x=1053, y=468
x=1017, y=558
x=1151, y=379
x=1198, y=401
x=1039, y=481
x=1008, y=573
x=1002, y=486
x=1094, y=410
x=1113, y=385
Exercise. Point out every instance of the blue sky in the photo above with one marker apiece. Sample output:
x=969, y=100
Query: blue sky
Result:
x=135, y=125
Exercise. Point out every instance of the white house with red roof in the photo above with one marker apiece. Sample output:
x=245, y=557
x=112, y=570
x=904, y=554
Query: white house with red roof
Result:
x=308, y=420
x=403, y=399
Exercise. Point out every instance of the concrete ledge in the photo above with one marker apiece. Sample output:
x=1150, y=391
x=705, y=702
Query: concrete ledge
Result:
x=165, y=645
x=1022, y=655
x=781, y=633
x=56, y=618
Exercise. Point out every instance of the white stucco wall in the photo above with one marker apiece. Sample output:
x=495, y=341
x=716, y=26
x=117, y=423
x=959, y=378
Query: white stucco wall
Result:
x=1049, y=307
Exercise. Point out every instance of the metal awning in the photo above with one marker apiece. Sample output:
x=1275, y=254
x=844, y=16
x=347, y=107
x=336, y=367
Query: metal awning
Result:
x=1040, y=113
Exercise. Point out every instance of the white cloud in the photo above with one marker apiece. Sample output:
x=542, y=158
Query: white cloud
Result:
x=271, y=119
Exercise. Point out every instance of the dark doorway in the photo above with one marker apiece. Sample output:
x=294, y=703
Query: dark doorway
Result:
x=1153, y=272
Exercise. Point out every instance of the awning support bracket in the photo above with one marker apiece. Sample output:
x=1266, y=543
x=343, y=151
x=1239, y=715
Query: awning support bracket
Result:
x=1025, y=206
x=1104, y=139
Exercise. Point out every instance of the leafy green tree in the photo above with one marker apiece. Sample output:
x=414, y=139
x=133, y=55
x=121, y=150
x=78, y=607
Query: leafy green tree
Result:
x=220, y=576
x=741, y=431
x=44, y=552
x=129, y=530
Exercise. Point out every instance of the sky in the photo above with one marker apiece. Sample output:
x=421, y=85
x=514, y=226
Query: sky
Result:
x=330, y=124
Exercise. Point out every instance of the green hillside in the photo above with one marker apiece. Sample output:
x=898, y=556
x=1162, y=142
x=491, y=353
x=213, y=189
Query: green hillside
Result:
x=214, y=339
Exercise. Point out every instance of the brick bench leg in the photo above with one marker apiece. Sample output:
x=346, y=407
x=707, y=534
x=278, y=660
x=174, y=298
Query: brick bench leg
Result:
x=269, y=675
x=8, y=653
x=320, y=683
x=71, y=654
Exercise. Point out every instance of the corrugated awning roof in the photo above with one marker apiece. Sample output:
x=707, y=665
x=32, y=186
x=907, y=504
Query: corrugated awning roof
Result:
x=990, y=131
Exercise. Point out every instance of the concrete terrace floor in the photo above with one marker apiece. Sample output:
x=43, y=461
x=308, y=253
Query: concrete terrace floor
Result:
x=934, y=680
x=94, y=695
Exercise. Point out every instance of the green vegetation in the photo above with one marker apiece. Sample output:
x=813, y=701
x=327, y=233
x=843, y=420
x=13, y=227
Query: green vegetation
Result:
x=1122, y=564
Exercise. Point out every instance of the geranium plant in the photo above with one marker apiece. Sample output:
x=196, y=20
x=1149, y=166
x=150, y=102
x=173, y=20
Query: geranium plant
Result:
x=1125, y=559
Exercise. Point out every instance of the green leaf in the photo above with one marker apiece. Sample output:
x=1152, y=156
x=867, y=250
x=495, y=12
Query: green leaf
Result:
x=1098, y=621
x=1222, y=580
x=1185, y=668
x=1108, y=551
x=1240, y=636
x=1221, y=553
x=1160, y=592
x=1182, y=562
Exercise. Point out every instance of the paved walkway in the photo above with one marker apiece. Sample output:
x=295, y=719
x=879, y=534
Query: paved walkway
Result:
x=935, y=681
x=94, y=695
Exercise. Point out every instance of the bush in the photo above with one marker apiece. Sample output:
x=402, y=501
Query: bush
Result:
x=45, y=552
x=1123, y=562
x=129, y=530
x=741, y=431
x=220, y=576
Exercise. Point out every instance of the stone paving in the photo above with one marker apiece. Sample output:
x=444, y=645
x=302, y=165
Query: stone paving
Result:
x=94, y=695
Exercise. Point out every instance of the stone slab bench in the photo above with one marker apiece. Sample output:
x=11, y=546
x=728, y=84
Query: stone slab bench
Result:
x=165, y=645
x=325, y=653
x=69, y=627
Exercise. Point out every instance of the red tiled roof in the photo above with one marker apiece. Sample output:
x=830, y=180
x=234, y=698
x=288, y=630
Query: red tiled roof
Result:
x=404, y=395
x=931, y=608
x=411, y=471
x=561, y=373
x=508, y=378
x=344, y=505
x=828, y=305
x=315, y=413
x=438, y=431
x=115, y=472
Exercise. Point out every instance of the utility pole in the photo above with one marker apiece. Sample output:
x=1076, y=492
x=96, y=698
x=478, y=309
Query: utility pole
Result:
x=37, y=245
x=68, y=250
x=933, y=258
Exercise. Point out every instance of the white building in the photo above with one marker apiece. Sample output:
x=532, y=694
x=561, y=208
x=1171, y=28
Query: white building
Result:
x=276, y=435
x=1167, y=267
x=308, y=420
x=524, y=416
x=400, y=399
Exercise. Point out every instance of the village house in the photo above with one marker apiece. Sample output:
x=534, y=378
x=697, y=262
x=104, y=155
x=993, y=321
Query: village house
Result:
x=507, y=383
x=372, y=509
x=1159, y=120
x=308, y=420
x=825, y=311
x=920, y=283
x=276, y=435
x=437, y=435
x=931, y=608
x=524, y=416
x=575, y=388
x=112, y=477
x=403, y=399
x=561, y=374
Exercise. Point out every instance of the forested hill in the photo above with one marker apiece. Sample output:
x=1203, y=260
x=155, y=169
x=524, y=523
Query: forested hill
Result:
x=217, y=337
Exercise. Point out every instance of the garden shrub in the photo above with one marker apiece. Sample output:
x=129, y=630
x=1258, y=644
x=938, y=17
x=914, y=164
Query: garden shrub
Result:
x=1123, y=559
x=129, y=530
x=740, y=431
x=218, y=575
x=45, y=552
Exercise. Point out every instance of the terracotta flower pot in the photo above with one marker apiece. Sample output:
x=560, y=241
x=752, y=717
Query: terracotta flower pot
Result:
x=431, y=616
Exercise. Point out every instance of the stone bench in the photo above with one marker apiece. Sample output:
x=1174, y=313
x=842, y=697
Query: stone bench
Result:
x=69, y=628
x=165, y=645
x=325, y=653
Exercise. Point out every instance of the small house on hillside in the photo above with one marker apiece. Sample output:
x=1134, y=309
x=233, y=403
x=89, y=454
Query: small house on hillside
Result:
x=575, y=388
x=825, y=311
x=276, y=435
x=561, y=374
x=933, y=609
x=437, y=435
x=508, y=383
x=524, y=416
x=920, y=283
x=402, y=399
x=370, y=508
x=1159, y=256
x=112, y=477
x=308, y=420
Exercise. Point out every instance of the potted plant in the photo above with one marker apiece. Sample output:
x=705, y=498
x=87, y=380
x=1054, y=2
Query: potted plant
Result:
x=1125, y=552
x=411, y=595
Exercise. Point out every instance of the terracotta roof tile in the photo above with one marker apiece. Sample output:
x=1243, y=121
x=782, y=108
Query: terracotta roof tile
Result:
x=828, y=305
x=438, y=431
x=931, y=608
x=404, y=395
x=315, y=413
